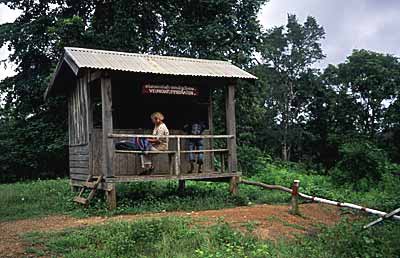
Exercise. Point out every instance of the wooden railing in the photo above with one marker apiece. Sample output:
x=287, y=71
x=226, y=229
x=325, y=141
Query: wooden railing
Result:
x=178, y=152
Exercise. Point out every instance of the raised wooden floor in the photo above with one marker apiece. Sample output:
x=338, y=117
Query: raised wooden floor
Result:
x=206, y=175
x=193, y=176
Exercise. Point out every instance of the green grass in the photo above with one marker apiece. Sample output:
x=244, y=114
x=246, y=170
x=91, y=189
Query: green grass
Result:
x=36, y=198
x=177, y=237
x=167, y=237
x=40, y=198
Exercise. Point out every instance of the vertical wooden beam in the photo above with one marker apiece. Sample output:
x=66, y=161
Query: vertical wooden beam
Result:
x=181, y=186
x=178, y=157
x=211, y=127
x=222, y=162
x=231, y=127
x=89, y=121
x=234, y=185
x=108, y=148
x=107, y=124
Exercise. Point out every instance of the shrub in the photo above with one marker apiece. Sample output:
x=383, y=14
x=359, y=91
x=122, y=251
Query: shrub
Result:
x=252, y=159
x=361, y=162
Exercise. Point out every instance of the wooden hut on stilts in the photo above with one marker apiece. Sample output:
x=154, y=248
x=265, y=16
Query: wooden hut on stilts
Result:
x=110, y=98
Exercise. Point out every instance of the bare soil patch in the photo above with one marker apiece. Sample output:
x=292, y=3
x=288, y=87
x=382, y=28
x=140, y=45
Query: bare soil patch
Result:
x=267, y=222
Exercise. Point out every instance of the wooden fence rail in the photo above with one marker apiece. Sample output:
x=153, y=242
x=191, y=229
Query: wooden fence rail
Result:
x=318, y=199
x=183, y=136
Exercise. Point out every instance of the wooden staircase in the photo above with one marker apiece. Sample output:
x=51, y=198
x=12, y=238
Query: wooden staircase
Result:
x=91, y=184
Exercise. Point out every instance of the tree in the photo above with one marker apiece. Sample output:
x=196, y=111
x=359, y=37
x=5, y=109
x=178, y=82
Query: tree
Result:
x=289, y=53
x=371, y=81
x=367, y=100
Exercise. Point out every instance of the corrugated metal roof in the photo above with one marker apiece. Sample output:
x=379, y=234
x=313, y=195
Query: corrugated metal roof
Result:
x=81, y=58
x=130, y=62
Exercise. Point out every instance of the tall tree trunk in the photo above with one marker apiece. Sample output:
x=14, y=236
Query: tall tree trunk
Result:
x=287, y=120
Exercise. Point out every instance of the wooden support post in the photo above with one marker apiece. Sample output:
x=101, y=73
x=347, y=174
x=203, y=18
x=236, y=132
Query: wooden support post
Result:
x=90, y=106
x=231, y=127
x=295, y=197
x=211, y=127
x=181, y=186
x=178, y=157
x=112, y=198
x=234, y=185
x=107, y=123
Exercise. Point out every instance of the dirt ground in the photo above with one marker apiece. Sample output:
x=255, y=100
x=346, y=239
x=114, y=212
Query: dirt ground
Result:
x=266, y=221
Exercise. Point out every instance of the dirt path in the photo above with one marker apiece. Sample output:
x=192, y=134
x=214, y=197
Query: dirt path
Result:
x=269, y=222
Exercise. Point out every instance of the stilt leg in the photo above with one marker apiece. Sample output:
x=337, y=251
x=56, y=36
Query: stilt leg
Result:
x=111, y=198
x=181, y=186
x=234, y=185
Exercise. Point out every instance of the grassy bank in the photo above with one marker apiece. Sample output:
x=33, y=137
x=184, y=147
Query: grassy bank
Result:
x=40, y=198
x=177, y=237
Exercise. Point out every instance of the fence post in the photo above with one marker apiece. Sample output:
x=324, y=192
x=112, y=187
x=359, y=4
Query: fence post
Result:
x=295, y=197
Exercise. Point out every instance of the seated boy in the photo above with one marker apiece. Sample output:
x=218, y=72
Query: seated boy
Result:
x=195, y=128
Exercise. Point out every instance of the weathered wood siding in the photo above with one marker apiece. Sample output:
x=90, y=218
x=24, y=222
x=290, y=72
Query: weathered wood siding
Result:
x=78, y=130
x=129, y=164
x=79, y=162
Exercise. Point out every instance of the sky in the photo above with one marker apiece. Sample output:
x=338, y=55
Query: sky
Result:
x=349, y=24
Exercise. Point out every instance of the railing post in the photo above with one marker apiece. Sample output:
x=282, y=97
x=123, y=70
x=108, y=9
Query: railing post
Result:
x=222, y=162
x=295, y=197
x=178, y=156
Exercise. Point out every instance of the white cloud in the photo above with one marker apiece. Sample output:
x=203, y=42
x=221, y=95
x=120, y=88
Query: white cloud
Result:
x=6, y=15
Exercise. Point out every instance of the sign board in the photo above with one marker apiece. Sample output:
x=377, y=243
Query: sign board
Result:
x=170, y=90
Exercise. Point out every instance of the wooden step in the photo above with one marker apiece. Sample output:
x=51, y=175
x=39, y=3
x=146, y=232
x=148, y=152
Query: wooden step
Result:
x=80, y=200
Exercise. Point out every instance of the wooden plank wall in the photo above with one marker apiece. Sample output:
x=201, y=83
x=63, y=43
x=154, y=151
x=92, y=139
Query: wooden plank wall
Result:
x=78, y=129
x=128, y=164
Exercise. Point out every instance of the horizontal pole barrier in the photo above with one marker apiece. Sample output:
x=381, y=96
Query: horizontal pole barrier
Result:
x=183, y=136
x=318, y=199
x=201, y=151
